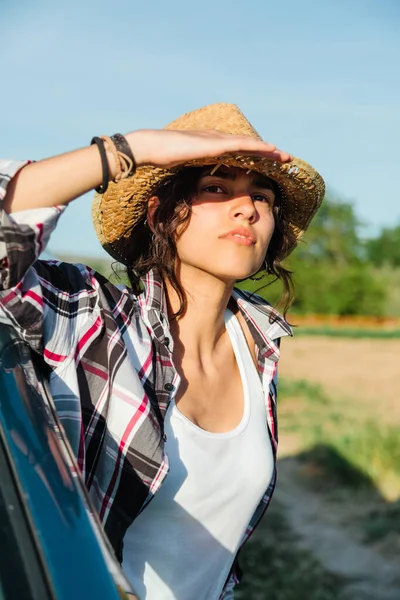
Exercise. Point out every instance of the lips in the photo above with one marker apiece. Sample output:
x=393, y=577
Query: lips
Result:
x=241, y=235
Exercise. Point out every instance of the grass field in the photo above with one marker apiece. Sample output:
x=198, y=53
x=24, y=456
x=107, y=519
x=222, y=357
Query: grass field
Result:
x=345, y=392
x=354, y=448
x=339, y=419
x=359, y=374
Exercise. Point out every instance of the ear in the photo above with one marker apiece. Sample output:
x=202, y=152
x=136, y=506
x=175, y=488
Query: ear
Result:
x=152, y=205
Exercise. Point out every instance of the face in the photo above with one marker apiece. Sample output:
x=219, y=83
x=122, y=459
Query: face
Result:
x=230, y=226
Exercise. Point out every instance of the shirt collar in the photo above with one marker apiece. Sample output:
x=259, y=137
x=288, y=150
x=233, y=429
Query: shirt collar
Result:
x=154, y=303
x=265, y=322
x=155, y=298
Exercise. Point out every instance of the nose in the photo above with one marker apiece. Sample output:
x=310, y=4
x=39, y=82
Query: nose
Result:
x=243, y=208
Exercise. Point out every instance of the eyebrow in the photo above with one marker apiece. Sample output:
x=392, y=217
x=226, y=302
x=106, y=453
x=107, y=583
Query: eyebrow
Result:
x=258, y=181
x=222, y=173
x=263, y=182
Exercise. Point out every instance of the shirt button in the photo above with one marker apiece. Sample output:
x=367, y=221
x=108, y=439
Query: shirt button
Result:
x=168, y=387
x=166, y=341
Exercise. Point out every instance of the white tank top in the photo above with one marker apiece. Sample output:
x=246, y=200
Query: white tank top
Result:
x=183, y=544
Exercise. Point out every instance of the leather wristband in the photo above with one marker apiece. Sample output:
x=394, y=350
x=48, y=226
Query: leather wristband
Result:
x=123, y=147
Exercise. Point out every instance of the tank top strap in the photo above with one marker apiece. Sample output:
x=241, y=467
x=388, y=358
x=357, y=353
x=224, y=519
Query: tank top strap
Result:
x=241, y=348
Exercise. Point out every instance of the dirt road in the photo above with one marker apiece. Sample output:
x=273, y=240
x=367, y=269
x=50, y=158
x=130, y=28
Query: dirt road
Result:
x=368, y=574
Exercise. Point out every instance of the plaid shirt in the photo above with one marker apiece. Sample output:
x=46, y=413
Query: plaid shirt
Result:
x=110, y=355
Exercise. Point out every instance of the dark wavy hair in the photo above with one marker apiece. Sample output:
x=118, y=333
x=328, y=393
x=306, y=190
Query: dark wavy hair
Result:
x=157, y=249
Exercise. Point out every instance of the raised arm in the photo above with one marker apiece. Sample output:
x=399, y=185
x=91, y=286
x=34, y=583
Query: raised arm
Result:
x=59, y=180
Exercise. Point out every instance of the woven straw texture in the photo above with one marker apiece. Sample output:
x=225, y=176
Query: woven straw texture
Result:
x=123, y=206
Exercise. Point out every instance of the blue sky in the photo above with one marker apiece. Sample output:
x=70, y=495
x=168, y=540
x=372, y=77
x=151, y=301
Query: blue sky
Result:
x=320, y=79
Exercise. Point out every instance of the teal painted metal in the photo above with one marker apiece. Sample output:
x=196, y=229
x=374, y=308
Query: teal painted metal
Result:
x=73, y=551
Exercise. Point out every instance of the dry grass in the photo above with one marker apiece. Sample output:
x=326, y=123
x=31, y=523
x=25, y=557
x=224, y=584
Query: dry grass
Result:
x=362, y=371
x=338, y=416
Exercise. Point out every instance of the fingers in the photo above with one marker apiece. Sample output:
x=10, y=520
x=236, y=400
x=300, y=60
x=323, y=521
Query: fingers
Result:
x=275, y=154
x=250, y=142
x=255, y=147
x=282, y=156
x=171, y=147
x=242, y=143
x=258, y=146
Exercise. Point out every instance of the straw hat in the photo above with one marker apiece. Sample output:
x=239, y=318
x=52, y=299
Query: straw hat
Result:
x=117, y=212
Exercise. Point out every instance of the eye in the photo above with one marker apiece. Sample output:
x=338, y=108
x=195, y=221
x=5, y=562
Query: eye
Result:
x=262, y=198
x=213, y=189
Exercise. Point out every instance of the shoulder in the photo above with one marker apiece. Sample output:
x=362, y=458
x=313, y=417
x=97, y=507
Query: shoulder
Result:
x=78, y=278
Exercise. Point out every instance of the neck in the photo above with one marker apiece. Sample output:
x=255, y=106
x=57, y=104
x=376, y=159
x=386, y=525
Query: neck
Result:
x=199, y=330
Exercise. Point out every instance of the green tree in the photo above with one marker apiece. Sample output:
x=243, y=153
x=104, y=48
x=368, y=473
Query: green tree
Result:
x=331, y=272
x=385, y=249
x=333, y=236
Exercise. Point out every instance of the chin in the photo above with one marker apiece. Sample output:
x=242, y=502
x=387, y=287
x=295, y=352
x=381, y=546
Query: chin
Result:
x=236, y=274
x=245, y=271
x=226, y=270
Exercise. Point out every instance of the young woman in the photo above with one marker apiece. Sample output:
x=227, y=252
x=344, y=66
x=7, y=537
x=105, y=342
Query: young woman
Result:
x=166, y=388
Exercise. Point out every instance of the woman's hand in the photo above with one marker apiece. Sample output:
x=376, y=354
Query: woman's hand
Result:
x=166, y=148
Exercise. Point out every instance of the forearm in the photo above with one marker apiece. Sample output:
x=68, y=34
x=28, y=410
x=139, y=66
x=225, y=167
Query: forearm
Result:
x=58, y=180
x=55, y=181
